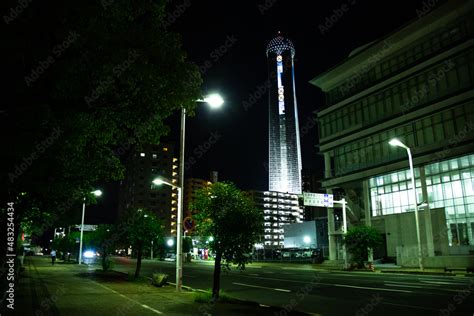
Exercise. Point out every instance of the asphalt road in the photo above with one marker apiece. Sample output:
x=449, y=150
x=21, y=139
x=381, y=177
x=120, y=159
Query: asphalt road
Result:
x=297, y=287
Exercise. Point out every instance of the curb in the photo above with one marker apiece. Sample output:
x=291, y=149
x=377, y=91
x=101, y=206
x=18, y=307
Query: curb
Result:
x=187, y=288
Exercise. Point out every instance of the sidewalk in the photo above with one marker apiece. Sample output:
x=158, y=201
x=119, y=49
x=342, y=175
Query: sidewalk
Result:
x=71, y=289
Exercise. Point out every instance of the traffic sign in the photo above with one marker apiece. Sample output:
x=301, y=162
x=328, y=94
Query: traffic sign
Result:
x=318, y=199
x=189, y=223
x=87, y=228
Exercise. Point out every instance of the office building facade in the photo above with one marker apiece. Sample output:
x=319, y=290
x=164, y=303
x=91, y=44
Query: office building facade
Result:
x=415, y=84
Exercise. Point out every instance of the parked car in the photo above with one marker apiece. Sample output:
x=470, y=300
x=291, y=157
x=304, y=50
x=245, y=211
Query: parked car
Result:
x=170, y=257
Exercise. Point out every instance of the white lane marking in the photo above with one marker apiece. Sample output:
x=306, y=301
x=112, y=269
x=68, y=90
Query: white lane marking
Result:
x=132, y=300
x=189, y=276
x=371, y=288
x=253, y=274
x=444, y=279
x=286, y=280
x=443, y=283
x=268, y=272
x=403, y=285
x=411, y=306
x=305, y=269
x=262, y=287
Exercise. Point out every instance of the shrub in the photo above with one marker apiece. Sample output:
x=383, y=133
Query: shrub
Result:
x=159, y=279
x=359, y=240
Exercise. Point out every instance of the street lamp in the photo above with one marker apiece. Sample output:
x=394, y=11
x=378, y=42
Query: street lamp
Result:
x=215, y=101
x=179, y=241
x=397, y=143
x=96, y=193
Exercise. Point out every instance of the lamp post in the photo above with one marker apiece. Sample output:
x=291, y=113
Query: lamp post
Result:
x=96, y=193
x=215, y=101
x=397, y=143
x=179, y=245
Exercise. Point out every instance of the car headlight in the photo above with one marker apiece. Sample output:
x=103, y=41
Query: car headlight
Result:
x=89, y=254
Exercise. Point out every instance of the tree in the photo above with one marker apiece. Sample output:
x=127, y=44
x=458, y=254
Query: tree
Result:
x=359, y=240
x=89, y=82
x=103, y=239
x=65, y=244
x=140, y=227
x=233, y=222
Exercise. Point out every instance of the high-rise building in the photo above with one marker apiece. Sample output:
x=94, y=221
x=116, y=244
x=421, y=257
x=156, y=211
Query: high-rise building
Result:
x=137, y=190
x=279, y=209
x=191, y=186
x=284, y=139
x=415, y=84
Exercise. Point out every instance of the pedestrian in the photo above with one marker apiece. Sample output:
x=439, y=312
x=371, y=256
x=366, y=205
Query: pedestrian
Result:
x=53, y=256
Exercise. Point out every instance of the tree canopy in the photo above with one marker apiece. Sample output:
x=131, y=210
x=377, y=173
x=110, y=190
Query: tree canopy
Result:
x=139, y=227
x=233, y=222
x=88, y=81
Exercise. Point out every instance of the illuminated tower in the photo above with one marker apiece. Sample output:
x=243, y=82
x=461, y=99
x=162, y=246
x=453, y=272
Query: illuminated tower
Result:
x=284, y=137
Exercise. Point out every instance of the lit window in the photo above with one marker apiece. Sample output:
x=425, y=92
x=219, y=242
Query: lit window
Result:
x=165, y=149
x=154, y=156
x=142, y=154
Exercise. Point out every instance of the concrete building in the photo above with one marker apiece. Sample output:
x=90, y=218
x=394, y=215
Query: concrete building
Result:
x=137, y=190
x=279, y=209
x=308, y=234
x=415, y=84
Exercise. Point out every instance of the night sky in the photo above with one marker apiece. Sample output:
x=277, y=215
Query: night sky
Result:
x=227, y=40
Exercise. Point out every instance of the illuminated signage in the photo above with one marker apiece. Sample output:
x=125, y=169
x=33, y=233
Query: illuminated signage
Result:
x=281, y=90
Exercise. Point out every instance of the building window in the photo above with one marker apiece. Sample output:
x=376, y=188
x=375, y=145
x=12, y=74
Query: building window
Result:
x=450, y=185
x=142, y=154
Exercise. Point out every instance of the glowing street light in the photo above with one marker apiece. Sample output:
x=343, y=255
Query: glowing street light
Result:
x=397, y=143
x=179, y=240
x=306, y=239
x=214, y=100
x=96, y=193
